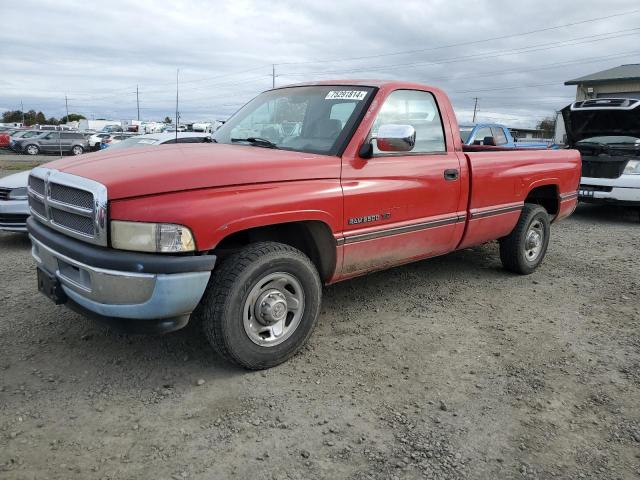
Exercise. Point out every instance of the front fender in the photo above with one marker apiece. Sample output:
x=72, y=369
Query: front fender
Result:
x=213, y=214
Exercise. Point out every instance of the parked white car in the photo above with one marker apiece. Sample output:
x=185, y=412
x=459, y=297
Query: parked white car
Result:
x=202, y=127
x=14, y=206
x=162, y=139
x=607, y=133
x=96, y=139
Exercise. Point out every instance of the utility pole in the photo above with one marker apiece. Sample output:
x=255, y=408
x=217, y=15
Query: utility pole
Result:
x=138, y=102
x=273, y=75
x=475, y=108
x=22, y=110
x=177, y=114
x=66, y=104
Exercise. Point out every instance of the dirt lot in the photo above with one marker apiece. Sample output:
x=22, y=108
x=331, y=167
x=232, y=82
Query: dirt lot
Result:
x=445, y=369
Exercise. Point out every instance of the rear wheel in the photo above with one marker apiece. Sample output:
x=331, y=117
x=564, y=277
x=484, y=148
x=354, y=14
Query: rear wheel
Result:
x=523, y=250
x=77, y=150
x=261, y=305
x=32, y=149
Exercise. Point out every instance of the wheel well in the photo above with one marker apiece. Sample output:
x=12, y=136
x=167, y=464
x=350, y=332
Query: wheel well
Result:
x=313, y=238
x=546, y=196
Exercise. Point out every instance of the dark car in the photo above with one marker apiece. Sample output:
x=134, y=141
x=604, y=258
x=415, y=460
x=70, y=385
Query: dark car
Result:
x=53, y=142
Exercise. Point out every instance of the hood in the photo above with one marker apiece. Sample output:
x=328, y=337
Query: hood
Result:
x=584, y=123
x=16, y=180
x=169, y=168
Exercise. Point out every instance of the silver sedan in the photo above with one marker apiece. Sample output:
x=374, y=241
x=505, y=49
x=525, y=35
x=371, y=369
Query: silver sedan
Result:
x=14, y=206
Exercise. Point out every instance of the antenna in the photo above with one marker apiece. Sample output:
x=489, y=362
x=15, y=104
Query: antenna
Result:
x=177, y=114
x=138, y=102
x=66, y=104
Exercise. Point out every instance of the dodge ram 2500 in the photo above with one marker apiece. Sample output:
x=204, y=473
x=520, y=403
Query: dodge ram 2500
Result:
x=305, y=185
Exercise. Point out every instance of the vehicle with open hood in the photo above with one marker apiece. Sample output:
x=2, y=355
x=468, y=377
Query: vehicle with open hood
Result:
x=606, y=131
x=304, y=186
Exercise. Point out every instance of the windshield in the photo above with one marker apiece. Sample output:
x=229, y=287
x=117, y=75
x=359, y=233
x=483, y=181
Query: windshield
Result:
x=314, y=119
x=465, y=133
x=612, y=140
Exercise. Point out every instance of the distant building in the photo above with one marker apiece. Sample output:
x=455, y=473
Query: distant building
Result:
x=619, y=82
x=526, y=133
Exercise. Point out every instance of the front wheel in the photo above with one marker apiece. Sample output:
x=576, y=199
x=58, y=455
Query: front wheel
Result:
x=523, y=250
x=261, y=305
x=32, y=149
x=77, y=150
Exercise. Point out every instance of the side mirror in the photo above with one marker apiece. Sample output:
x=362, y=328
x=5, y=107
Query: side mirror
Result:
x=489, y=141
x=396, y=138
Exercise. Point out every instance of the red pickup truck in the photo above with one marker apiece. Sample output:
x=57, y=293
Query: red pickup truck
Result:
x=305, y=185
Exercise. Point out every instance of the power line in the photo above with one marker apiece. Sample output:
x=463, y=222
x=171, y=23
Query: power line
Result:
x=471, y=42
x=495, y=53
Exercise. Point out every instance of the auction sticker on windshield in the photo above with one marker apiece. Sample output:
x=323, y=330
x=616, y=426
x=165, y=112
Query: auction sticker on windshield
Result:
x=346, y=95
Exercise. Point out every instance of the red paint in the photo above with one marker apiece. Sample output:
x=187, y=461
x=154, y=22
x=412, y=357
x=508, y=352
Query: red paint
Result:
x=217, y=190
x=5, y=140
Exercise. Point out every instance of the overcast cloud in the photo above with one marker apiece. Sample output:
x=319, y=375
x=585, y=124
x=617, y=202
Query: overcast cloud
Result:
x=97, y=53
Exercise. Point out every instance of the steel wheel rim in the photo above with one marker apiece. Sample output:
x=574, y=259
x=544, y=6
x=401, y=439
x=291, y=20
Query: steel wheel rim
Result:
x=534, y=240
x=273, y=309
x=77, y=150
x=31, y=150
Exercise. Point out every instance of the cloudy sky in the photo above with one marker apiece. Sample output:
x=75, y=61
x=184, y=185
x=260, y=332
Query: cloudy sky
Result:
x=513, y=56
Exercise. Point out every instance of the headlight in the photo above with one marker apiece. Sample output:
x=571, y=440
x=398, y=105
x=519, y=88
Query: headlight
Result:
x=18, y=193
x=632, y=168
x=151, y=237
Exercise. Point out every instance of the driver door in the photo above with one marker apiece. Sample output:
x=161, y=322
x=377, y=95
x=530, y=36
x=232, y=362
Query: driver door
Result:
x=402, y=206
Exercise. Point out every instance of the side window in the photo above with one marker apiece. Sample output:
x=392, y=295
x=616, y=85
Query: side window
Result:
x=480, y=134
x=499, y=136
x=418, y=109
x=53, y=136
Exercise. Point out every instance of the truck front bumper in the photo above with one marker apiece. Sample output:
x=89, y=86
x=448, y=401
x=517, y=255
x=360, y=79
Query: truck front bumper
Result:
x=624, y=190
x=135, y=292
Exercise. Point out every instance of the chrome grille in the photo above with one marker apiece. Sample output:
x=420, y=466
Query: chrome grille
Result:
x=4, y=193
x=36, y=184
x=73, y=205
x=37, y=206
x=77, y=223
x=71, y=196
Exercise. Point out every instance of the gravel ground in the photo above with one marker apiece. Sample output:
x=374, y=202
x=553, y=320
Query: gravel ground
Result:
x=444, y=369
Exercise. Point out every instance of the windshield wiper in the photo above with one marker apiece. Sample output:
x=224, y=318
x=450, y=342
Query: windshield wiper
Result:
x=260, y=142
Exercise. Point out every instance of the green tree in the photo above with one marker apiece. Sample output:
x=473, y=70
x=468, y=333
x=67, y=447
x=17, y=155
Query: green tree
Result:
x=548, y=127
x=40, y=118
x=73, y=117
x=30, y=117
x=167, y=119
x=12, y=116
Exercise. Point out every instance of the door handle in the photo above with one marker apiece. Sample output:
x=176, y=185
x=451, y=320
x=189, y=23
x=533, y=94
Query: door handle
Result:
x=451, y=174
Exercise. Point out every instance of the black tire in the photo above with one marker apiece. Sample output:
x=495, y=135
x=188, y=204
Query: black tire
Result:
x=77, y=150
x=513, y=248
x=31, y=149
x=222, y=310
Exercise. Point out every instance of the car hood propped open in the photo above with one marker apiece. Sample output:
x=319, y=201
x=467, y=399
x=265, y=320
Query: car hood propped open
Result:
x=602, y=119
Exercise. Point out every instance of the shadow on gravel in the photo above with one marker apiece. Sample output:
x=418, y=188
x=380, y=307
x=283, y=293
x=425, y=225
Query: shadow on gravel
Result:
x=607, y=214
x=14, y=242
x=74, y=342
